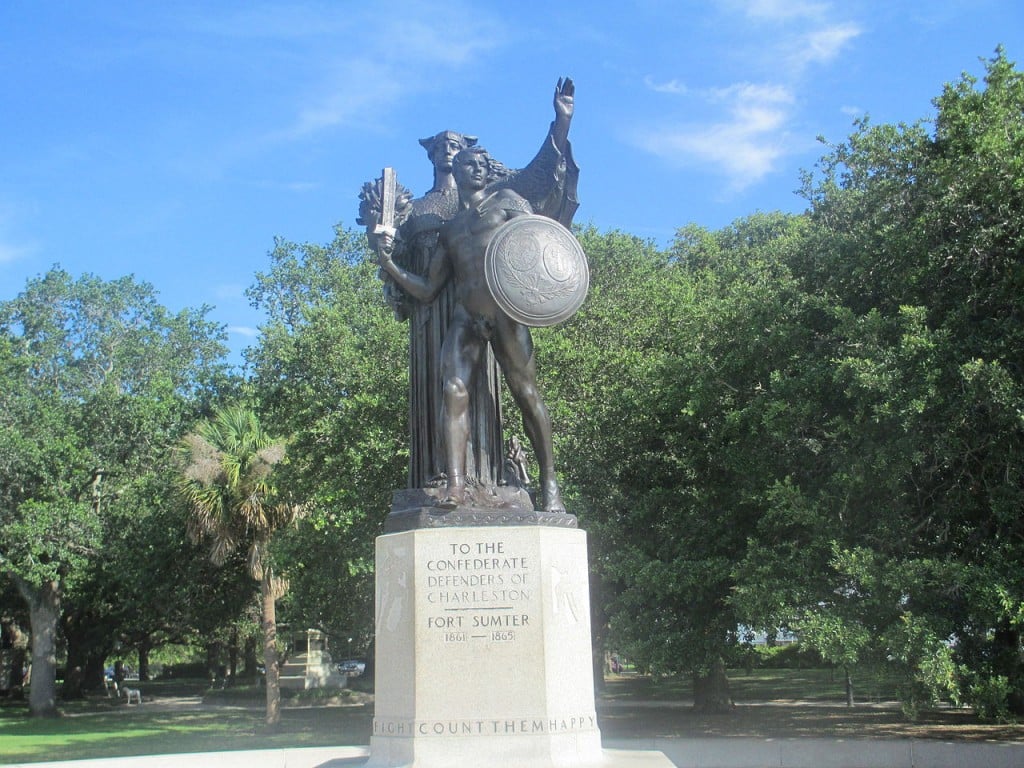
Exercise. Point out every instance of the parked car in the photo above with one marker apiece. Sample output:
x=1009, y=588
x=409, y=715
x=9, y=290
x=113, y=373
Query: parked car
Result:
x=352, y=667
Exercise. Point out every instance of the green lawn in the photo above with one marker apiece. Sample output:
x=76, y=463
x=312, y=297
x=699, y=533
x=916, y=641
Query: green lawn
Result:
x=813, y=685
x=230, y=720
x=100, y=727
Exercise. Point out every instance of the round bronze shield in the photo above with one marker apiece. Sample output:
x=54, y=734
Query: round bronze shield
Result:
x=536, y=270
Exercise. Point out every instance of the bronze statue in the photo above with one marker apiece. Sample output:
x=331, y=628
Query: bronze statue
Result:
x=455, y=334
x=428, y=324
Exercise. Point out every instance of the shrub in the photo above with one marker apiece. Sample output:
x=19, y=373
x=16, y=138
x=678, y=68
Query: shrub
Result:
x=790, y=656
x=990, y=695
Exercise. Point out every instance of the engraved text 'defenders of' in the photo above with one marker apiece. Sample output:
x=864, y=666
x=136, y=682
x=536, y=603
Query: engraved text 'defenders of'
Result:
x=536, y=270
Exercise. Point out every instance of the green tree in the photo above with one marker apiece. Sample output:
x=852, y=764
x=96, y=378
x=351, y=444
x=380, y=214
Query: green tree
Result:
x=144, y=555
x=228, y=479
x=909, y=531
x=659, y=388
x=96, y=379
x=330, y=370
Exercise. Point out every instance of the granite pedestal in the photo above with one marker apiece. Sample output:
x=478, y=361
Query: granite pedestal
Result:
x=483, y=654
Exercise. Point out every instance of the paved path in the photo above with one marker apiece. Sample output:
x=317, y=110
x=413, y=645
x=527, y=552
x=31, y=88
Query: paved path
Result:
x=684, y=753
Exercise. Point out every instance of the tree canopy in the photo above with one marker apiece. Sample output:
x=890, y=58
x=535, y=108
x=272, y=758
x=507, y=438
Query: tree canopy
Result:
x=330, y=372
x=96, y=381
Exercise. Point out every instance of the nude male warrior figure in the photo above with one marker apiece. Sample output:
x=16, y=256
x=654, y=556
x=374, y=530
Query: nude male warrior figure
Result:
x=478, y=321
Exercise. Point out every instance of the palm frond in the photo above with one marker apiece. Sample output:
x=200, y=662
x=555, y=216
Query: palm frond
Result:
x=227, y=478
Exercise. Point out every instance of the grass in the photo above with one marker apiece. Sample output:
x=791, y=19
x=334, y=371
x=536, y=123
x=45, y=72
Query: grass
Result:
x=98, y=727
x=124, y=733
x=761, y=685
x=770, y=703
x=800, y=721
x=784, y=703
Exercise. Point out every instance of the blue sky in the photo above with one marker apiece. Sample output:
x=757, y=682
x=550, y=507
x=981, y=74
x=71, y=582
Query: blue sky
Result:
x=175, y=140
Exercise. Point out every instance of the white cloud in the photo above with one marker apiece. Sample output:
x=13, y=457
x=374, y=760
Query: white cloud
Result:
x=672, y=86
x=802, y=32
x=782, y=10
x=434, y=40
x=10, y=252
x=823, y=44
x=417, y=49
x=352, y=91
x=744, y=147
x=740, y=94
x=352, y=62
x=743, y=156
x=244, y=330
x=747, y=130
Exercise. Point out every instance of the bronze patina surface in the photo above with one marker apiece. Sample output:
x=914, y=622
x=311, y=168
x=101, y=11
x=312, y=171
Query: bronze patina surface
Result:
x=536, y=271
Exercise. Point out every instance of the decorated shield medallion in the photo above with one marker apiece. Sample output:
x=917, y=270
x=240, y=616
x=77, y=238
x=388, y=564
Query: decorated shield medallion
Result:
x=536, y=270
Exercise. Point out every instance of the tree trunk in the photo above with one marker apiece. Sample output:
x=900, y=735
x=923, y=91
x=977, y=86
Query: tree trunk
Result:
x=88, y=646
x=599, y=623
x=270, y=660
x=44, y=613
x=251, y=659
x=213, y=652
x=94, y=669
x=849, y=687
x=15, y=638
x=233, y=655
x=711, y=690
x=143, y=648
x=74, y=667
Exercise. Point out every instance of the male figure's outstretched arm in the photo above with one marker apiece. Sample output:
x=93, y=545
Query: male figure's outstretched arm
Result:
x=564, y=102
x=421, y=287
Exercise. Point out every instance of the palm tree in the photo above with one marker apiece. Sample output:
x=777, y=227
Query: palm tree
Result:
x=227, y=478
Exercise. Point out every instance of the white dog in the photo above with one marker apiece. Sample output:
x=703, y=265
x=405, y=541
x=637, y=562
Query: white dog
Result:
x=132, y=693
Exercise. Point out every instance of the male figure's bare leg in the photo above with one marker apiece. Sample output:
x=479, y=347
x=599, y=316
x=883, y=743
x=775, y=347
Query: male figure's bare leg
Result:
x=513, y=349
x=459, y=354
x=455, y=418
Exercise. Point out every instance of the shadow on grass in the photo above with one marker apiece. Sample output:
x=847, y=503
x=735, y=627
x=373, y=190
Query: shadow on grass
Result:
x=803, y=721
